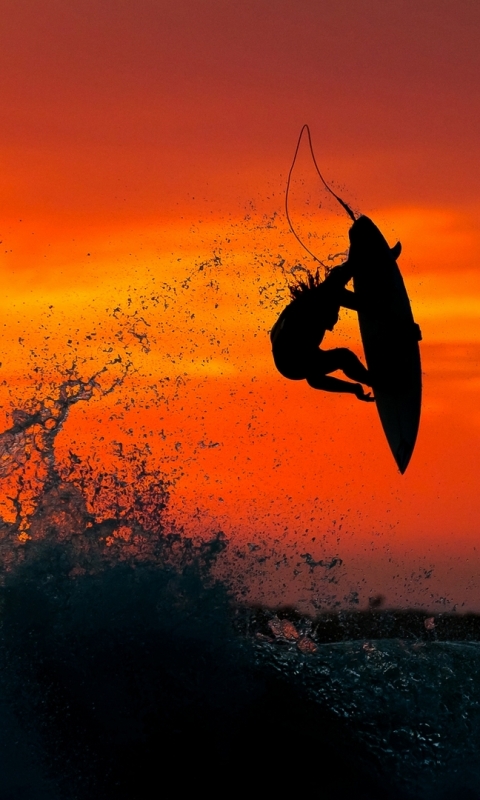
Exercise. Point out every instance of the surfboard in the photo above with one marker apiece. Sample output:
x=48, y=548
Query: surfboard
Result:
x=390, y=337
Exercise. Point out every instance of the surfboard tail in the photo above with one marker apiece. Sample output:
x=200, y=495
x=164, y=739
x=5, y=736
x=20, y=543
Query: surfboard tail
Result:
x=399, y=414
x=402, y=454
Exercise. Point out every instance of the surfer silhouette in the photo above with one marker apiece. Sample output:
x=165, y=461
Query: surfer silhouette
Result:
x=390, y=336
x=299, y=331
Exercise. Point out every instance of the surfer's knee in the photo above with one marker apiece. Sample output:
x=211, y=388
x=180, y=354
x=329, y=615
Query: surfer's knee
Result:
x=351, y=365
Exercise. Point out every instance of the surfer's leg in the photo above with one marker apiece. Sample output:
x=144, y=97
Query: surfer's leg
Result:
x=343, y=358
x=321, y=362
x=329, y=384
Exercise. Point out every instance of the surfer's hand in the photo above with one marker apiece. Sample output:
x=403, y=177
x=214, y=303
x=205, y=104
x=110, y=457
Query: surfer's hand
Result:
x=360, y=394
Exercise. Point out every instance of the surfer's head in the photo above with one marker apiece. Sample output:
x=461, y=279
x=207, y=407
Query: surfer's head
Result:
x=305, y=286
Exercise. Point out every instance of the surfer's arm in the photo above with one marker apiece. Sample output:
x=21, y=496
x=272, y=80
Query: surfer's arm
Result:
x=340, y=275
x=350, y=300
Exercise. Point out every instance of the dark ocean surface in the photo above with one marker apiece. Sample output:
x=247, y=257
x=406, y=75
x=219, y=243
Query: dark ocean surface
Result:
x=119, y=678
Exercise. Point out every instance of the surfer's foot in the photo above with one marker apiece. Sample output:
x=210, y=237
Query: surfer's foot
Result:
x=361, y=395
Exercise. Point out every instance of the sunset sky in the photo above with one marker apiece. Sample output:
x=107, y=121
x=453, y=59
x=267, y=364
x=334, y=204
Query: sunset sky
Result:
x=145, y=148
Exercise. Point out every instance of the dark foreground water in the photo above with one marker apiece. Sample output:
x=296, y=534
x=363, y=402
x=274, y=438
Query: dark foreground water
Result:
x=145, y=681
x=129, y=672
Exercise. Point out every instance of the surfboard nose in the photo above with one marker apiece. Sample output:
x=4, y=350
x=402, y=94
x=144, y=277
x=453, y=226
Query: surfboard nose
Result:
x=361, y=223
x=364, y=230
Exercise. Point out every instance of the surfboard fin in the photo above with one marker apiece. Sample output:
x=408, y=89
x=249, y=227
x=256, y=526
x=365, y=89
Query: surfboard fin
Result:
x=396, y=250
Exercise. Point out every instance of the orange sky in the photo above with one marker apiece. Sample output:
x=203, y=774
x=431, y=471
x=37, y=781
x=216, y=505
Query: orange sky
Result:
x=144, y=150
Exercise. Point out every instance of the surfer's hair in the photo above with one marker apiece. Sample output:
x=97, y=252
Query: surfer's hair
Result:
x=305, y=285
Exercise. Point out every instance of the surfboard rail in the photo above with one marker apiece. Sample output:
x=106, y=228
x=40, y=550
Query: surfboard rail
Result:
x=390, y=337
